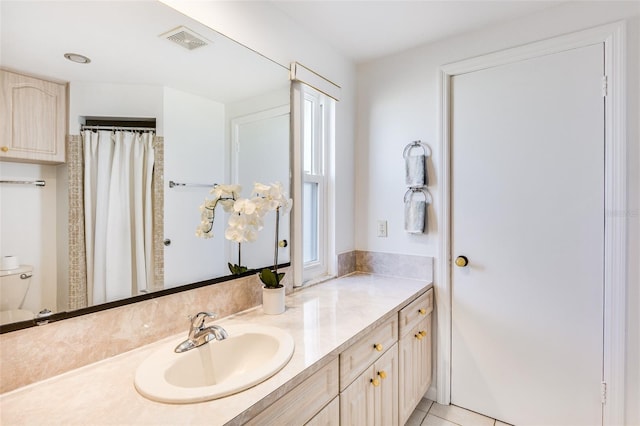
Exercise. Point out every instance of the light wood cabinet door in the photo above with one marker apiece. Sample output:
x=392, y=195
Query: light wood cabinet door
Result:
x=33, y=113
x=386, y=394
x=372, y=399
x=414, y=367
x=357, y=401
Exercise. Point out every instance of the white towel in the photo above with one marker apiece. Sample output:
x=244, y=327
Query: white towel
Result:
x=415, y=170
x=415, y=216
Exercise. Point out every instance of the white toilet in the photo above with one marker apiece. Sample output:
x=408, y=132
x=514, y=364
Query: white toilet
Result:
x=14, y=284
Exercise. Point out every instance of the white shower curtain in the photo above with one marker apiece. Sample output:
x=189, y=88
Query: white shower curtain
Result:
x=118, y=170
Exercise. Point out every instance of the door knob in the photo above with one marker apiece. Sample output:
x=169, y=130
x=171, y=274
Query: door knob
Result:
x=462, y=261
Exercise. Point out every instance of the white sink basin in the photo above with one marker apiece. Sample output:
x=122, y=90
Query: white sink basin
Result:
x=250, y=355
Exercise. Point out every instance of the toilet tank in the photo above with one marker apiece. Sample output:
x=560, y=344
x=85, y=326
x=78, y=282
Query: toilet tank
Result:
x=14, y=284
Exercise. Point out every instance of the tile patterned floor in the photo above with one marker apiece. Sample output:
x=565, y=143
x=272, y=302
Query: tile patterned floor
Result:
x=429, y=413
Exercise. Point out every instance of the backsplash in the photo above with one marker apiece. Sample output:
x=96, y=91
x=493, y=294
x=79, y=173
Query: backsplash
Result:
x=389, y=264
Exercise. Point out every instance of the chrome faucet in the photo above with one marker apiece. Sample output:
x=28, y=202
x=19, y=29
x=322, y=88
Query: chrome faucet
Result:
x=199, y=334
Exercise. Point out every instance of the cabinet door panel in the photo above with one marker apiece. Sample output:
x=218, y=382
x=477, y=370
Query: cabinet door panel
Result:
x=415, y=367
x=386, y=395
x=408, y=379
x=424, y=359
x=357, y=401
x=34, y=117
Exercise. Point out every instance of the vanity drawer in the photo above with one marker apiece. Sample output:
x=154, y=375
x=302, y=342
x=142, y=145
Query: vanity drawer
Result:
x=305, y=400
x=416, y=311
x=359, y=356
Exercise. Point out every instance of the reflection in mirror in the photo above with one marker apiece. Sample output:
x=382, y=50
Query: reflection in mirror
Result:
x=221, y=114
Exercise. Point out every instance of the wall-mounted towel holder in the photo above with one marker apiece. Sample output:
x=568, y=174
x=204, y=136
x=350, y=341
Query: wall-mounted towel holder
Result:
x=409, y=195
x=415, y=210
x=24, y=182
x=416, y=164
x=173, y=184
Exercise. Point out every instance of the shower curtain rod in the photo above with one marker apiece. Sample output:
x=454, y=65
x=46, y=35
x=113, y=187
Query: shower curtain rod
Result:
x=114, y=128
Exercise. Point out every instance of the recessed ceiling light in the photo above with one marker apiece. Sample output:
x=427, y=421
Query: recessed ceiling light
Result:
x=81, y=59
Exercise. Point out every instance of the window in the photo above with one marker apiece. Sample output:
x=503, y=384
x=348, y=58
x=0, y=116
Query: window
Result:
x=315, y=132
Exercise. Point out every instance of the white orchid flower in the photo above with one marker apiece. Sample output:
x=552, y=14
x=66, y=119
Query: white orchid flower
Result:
x=226, y=191
x=273, y=196
x=227, y=205
x=245, y=206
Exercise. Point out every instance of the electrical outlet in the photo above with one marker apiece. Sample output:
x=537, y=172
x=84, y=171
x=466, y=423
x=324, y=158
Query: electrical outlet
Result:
x=382, y=228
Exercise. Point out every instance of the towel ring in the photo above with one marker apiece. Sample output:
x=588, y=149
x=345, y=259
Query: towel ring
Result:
x=412, y=191
x=416, y=144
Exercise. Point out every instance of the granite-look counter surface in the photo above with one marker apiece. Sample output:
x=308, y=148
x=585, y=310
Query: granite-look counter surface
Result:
x=323, y=320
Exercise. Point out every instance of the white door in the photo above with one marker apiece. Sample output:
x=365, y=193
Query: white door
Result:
x=261, y=154
x=528, y=213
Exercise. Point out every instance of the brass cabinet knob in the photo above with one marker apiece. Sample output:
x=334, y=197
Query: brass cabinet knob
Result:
x=382, y=374
x=419, y=336
x=5, y=148
x=422, y=311
x=375, y=382
x=378, y=347
x=462, y=261
x=422, y=333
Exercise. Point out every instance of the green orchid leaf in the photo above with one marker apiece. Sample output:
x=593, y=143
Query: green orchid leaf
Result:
x=269, y=279
x=237, y=269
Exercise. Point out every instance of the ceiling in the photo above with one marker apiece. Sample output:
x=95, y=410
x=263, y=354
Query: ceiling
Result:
x=368, y=29
x=126, y=48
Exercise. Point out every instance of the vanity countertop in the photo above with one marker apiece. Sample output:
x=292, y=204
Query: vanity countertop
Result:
x=323, y=320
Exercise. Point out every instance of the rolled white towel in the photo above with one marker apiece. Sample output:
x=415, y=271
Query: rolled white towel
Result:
x=415, y=173
x=415, y=216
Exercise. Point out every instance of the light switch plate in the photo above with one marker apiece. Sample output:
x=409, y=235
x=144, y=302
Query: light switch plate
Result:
x=382, y=228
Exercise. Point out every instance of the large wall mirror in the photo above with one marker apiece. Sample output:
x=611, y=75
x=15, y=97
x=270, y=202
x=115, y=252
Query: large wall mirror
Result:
x=221, y=114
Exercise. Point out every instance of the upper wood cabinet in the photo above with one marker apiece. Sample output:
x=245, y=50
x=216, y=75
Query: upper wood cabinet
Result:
x=33, y=113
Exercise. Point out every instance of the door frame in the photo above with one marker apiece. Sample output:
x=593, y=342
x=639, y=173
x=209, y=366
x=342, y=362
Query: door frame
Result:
x=615, y=202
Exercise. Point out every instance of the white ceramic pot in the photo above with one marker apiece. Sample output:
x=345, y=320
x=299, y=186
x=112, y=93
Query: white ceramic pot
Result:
x=273, y=300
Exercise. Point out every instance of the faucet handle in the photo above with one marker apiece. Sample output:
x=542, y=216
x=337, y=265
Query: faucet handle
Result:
x=197, y=321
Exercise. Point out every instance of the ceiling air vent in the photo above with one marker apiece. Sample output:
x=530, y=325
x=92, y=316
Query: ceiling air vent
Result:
x=186, y=38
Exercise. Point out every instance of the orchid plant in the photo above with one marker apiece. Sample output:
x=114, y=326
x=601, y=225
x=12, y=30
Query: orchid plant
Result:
x=272, y=198
x=246, y=220
x=226, y=196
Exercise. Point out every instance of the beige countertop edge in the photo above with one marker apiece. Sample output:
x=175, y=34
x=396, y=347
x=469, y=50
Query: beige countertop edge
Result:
x=39, y=401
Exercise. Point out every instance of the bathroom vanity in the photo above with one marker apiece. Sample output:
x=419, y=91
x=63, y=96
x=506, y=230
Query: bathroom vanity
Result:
x=362, y=356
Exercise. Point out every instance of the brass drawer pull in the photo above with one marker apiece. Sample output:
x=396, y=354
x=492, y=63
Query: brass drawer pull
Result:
x=378, y=347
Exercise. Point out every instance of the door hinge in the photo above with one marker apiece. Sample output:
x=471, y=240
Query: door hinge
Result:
x=603, y=392
x=605, y=86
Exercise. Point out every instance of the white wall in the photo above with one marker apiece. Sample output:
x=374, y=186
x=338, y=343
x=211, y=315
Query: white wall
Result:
x=113, y=100
x=27, y=232
x=264, y=28
x=398, y=102
x=194, y=152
